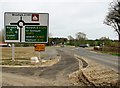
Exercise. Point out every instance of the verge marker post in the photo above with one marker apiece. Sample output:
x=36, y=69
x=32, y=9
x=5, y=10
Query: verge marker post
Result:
x=13, y=52
x=39, y=56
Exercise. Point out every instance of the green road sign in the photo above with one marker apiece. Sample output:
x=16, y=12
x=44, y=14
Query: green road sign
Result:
x=26, y=27
x=12, y=33
x=36, y=34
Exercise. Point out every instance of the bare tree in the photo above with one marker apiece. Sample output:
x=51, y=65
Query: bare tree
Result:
x=80, y=36
x=70, y=37
x=104, y=38
x=113, y=17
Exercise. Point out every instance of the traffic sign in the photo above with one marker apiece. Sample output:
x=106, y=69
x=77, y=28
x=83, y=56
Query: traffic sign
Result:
x=39, y=47
x=12, y=33
x=26, y=27
x=35, y=33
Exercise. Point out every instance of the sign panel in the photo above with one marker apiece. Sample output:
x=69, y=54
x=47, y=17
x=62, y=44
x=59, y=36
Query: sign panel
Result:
x=35, y=33
x=12, y=33
x=39, y=47
x=26, y=27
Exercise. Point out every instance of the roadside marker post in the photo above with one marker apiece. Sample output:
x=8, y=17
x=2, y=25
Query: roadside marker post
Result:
x=13, y=52
x=39, y=58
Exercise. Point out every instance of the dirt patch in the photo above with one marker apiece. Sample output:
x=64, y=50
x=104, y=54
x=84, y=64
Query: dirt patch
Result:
x=78, y=79
x=96, y=75
x=100, y=75
x=9, y=79
x=51, y=62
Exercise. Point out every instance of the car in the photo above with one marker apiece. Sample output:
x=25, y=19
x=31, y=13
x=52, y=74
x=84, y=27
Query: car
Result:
x=97, y=48
x=84, y=45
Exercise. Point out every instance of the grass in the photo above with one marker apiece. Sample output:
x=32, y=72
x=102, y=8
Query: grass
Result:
x=18, y=63
x=116, y=54
x=21, y=53
x=16, y=59
x=22, y=56
x=112, y=53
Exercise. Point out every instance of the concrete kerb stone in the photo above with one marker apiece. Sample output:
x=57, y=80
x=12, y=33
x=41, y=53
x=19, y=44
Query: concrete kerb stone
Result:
x=81, y=67
x=82, y=70
x=82, y=61
x=78, y=76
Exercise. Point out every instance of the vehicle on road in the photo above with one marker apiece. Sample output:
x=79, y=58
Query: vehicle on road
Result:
x=84, y=45
x=97, y=48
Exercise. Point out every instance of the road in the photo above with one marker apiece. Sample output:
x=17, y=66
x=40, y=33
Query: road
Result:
x=105, y=59
x=45, y=76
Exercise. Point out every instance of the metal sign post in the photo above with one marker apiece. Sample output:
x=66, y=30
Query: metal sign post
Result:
x=13, y=52
x=39, y=57
x=39, y=48
x=26, y=28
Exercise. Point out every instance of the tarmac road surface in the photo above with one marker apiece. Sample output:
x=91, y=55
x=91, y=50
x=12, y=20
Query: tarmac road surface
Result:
x=42, y=76
x=105, y=59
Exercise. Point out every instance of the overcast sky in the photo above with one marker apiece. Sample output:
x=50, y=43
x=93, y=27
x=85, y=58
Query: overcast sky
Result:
x=66, y=17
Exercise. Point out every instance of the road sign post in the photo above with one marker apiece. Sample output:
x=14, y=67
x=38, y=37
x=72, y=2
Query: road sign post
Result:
x=39, y=57
x=26, y=28
x=13, y=52
x=39, y=48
